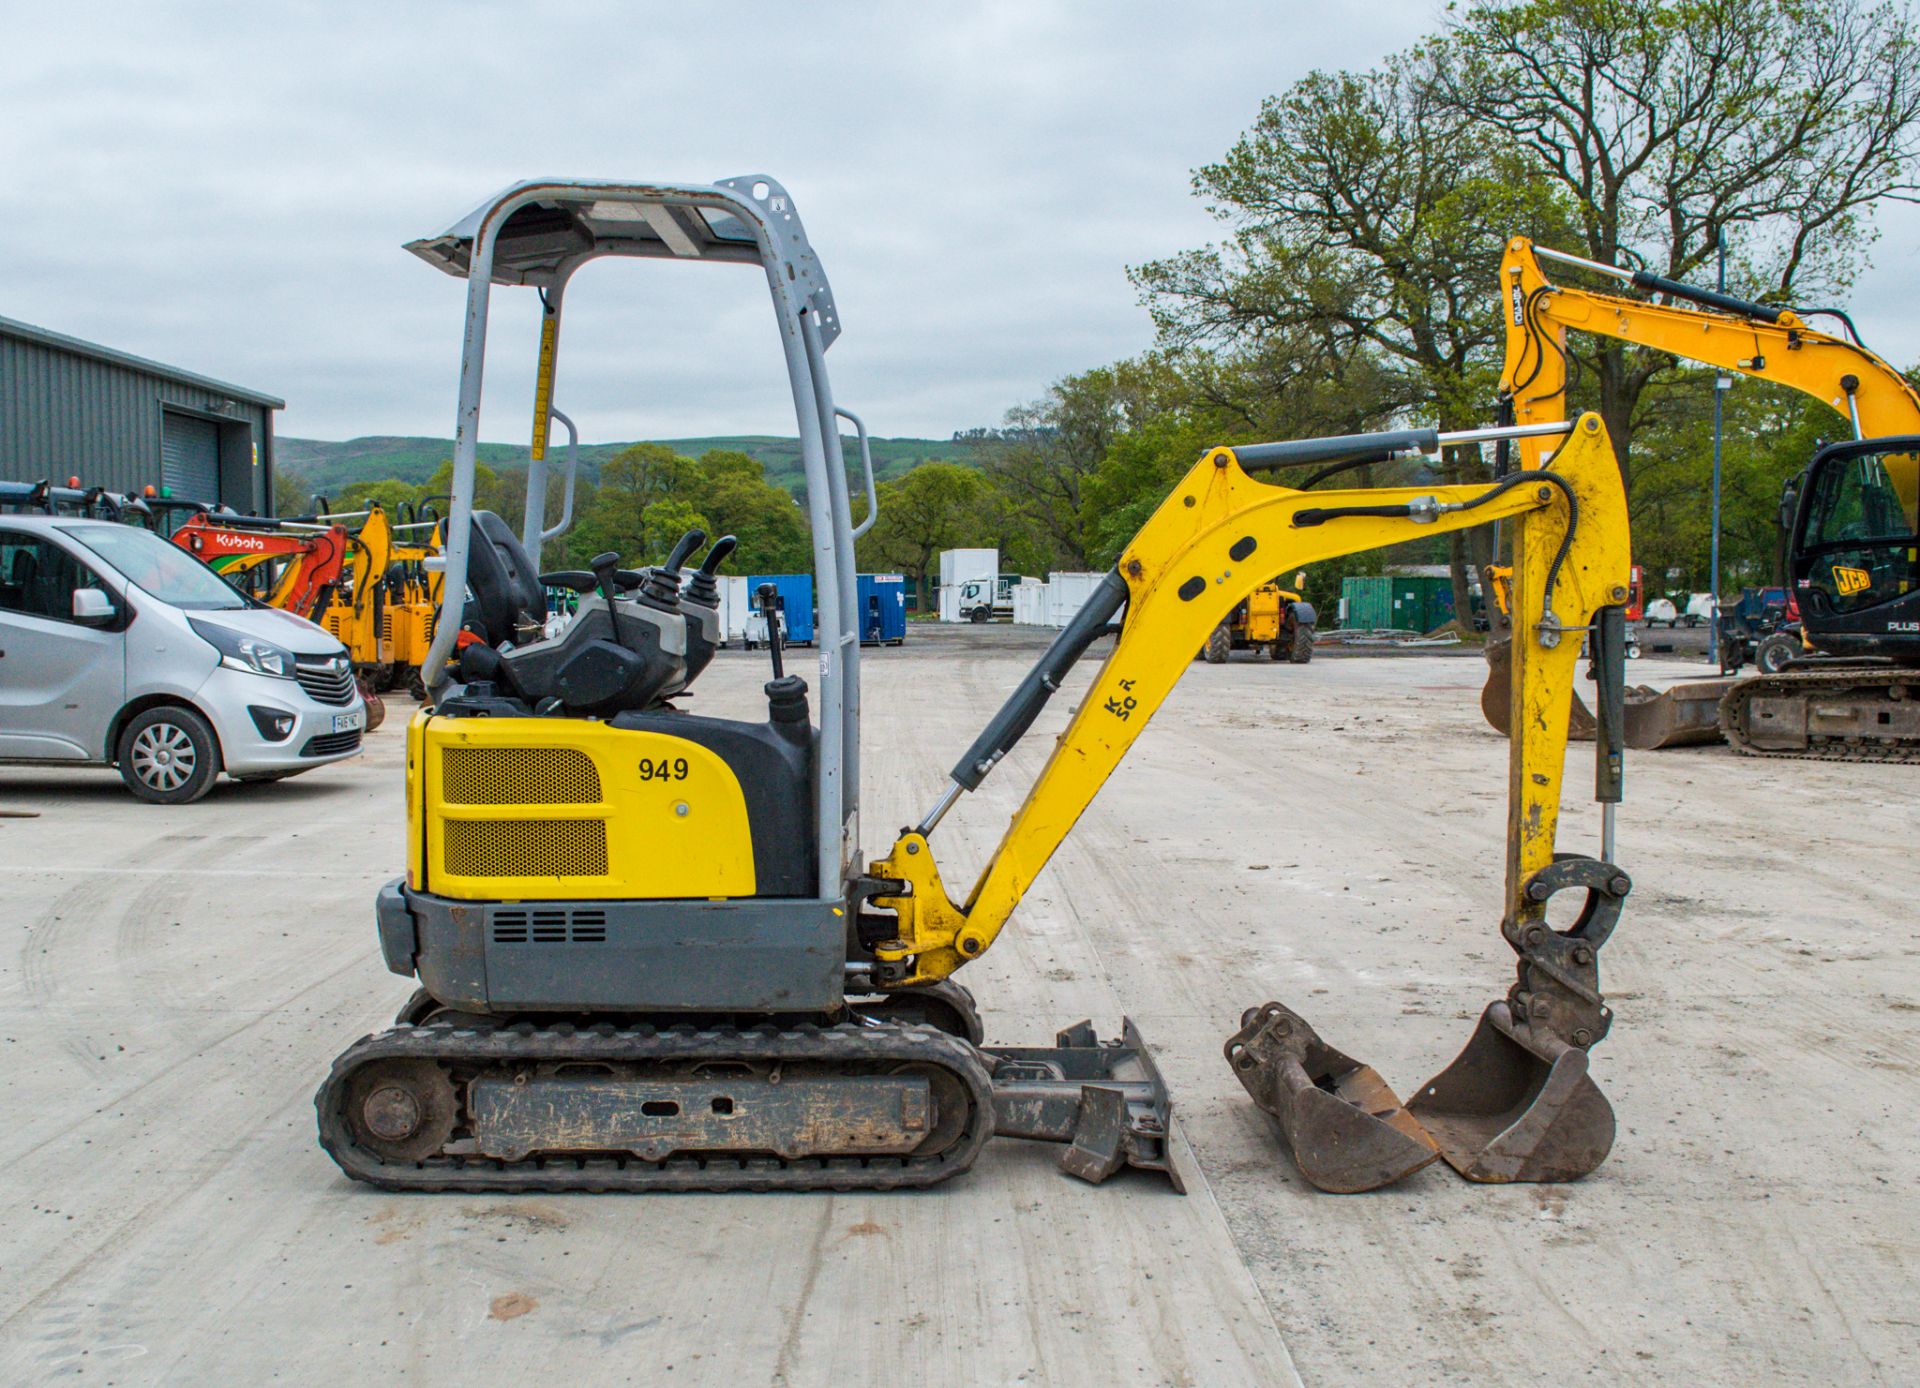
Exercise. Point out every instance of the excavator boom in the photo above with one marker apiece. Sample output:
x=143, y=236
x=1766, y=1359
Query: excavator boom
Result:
x=1216, y=537
x=1822, y=713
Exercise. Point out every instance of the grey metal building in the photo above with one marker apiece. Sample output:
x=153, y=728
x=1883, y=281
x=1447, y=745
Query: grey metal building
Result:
x=73, y=409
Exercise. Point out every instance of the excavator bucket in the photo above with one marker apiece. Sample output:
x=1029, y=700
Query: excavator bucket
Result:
x=1347, y=1130
x=1683, y=715
x=1516, y=1105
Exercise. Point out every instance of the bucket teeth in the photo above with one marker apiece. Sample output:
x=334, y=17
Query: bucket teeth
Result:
x=1516, y=1105
x=1346, y=1128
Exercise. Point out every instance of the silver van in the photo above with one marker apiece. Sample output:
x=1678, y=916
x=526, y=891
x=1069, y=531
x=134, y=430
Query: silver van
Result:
x=119, y=648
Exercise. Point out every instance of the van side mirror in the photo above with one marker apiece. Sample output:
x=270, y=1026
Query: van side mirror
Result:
x=92, y=607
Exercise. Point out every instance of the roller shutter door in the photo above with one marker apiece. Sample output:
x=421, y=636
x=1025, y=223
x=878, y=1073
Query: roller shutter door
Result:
x=190, y=457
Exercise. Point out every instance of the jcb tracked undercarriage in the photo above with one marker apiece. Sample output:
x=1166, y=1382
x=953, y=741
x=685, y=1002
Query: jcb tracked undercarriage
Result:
x=651, y=953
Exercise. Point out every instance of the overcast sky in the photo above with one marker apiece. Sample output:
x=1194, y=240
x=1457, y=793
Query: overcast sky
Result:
x=225, y=187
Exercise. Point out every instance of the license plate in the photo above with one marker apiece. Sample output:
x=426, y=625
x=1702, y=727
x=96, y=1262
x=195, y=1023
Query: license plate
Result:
x=349, y=722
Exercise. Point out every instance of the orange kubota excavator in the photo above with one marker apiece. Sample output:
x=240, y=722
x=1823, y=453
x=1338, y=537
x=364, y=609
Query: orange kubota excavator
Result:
x=1852, y=532
x=300, y=564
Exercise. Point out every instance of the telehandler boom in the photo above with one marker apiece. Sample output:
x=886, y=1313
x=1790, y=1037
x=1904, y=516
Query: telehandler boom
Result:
x=652, y=954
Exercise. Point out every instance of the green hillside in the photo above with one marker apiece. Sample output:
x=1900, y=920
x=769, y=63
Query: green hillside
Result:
x=327, y=466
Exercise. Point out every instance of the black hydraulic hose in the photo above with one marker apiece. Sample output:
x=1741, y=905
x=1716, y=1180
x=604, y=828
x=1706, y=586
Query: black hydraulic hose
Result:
x=1364, y=460
x=1320, y=515
x=1016, y=715
x=1852, y=331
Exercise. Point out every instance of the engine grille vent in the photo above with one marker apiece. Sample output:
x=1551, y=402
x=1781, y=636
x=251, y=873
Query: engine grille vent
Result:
x=525, y=847
x=518, y=776
x=550, y=926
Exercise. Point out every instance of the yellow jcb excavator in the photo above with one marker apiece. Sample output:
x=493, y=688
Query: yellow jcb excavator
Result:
x=1852, y=517
x=652, y=954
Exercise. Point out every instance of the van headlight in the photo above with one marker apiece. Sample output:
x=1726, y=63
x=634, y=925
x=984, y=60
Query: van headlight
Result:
x=247, y=653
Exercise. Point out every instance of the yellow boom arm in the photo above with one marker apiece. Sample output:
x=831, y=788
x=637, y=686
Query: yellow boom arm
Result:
x=1218, y=536
x=1875, y=398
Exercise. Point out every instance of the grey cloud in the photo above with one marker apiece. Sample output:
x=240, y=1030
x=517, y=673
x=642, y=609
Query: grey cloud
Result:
x=225, y=186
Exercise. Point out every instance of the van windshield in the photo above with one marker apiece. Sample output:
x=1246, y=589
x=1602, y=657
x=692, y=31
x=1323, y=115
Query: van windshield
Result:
x=159, y=568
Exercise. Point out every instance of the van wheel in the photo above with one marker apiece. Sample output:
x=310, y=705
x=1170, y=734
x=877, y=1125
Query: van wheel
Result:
x=1776, y=651
x=169, y=756
x=1218, y=645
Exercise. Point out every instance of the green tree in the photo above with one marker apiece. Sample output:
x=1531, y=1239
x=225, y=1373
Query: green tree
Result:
x=1366, y=216
x=1666, y=124
x=731, y=489
x=292, y=493
x=935, y=507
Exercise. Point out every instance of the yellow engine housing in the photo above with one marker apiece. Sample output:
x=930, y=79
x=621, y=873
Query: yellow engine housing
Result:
x=556, y=809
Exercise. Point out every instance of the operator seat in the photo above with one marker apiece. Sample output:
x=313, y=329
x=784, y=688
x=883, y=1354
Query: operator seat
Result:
x=609, y=660
x=509, y=600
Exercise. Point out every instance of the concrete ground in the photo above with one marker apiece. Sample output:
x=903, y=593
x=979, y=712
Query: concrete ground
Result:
x=174, y=983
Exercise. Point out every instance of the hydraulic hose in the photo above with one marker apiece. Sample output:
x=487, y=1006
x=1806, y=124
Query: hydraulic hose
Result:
x=1320, y=515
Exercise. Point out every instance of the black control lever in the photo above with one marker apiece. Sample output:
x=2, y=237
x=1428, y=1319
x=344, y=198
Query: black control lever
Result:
x=717, y=556
x=606, y=571
x=769, y=596
x=702, y=587
x=689, y=542
x=661, y=586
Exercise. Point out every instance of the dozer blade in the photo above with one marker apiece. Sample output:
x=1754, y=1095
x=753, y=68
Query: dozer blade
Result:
x=1104, y=1099
x=1496, y=696
x=1683, y=715
x=1516, y=1105
x=1347, y=1130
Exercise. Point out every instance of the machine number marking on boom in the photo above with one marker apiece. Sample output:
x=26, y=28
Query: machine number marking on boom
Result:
x=664, y=770
x=1123, y=704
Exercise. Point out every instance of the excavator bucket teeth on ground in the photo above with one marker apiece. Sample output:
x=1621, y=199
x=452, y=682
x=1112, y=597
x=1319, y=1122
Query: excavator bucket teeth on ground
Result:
x=1496, y=697
x=1347, y=1130
x=1516, y=1105
x=1105, y=1100
x=1683, y=715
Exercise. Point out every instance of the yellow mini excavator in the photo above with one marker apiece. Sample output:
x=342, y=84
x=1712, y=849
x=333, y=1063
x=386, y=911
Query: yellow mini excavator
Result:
x=652, y=954
x=1851, y=517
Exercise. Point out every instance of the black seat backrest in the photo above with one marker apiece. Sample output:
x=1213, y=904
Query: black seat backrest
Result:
x=506, y=586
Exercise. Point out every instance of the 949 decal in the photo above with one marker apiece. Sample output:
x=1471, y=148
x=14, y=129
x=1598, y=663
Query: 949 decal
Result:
x=1123, y=704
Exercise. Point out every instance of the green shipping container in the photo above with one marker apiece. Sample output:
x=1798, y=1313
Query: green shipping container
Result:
x=1395, y=603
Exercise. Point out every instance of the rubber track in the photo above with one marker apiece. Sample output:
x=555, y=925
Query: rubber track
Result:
x=863, y=1046
x=1840, y=682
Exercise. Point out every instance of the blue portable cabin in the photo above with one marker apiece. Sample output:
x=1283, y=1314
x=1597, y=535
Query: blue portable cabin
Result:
x=883, y=610
x=795, y=602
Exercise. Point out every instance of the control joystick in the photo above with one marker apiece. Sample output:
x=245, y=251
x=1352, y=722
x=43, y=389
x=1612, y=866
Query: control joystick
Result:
x=661, y=586
x=786, y=694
